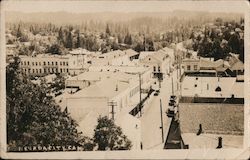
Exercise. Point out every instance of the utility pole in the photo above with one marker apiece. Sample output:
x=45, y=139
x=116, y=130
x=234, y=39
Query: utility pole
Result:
x=112, y=104
x=162, y=134
x=140, y=105
x=172, y=85
x=159, y=75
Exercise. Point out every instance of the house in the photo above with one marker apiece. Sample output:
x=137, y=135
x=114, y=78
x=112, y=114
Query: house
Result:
x=236, y=66
x=159, y=62
x=191, y=65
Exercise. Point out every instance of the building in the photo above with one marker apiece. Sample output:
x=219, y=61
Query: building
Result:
x=116, y=58
x=212, y=89
x=44, y=64
x=159, y=63
x=221, y=67
x=114, y=95
x=191, y=65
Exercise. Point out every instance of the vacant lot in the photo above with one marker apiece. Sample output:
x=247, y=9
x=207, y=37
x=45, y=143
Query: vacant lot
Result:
x=215, y=118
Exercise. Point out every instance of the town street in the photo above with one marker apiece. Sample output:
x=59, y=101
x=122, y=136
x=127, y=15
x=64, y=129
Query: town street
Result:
x=151, y=117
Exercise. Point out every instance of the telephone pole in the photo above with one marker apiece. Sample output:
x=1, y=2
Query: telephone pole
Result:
x=112, y=104
x=172, y=85
x=140, y=105
x=162, y=134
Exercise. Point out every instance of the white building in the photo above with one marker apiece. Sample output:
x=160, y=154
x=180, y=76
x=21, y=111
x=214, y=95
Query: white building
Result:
x=159, y=62
x=86, y=105
x=212, y=87
x=116, y=58
x=44, y=64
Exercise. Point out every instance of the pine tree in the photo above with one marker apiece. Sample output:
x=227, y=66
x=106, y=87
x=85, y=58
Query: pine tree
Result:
x=108, y=32
x=78, y=40
x=69, y=41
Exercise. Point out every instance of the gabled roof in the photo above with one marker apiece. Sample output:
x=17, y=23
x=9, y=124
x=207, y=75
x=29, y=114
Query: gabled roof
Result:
x=130, y=52
x=237, y=66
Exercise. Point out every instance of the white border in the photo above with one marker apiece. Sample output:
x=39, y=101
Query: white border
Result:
x=146, y=154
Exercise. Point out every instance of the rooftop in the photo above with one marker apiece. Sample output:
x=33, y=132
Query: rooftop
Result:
x=109, y=88
x=96, y=75
x=215, y=118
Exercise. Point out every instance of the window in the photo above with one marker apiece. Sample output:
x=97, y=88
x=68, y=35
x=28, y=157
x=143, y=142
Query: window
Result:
x=39, y=63
x=64, y=63
x=40, y=71
x=188, y=67
x=195, y=67
x=61, y=70
x=36, y=63
x=36, y=70
x=67, y=63
x=154, y=68
x=56, y=63
x=32, y=63
x=24, y=62
x=44, y=70
x=60, y=63
x=149, y=59
x=67, y=70
x=196, y=78
x=52, y=63
x=207, y=86
x=195, y=85
x=48, y=63
x=44, y=63
x=33, y=70
x=159, y=68
x=28, y=63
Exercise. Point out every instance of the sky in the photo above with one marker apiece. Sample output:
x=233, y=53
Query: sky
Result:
x=123, y=6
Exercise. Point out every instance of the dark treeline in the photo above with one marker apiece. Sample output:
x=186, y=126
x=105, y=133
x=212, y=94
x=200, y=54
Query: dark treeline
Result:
x=220, y=39
x=143, y=33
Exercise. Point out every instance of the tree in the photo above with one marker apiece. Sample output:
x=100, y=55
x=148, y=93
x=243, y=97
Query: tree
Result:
x=69, y=40
x=60, y=36
x=33, y=117
x=19, y=32
x=78, y=40
x=108, y=136
x=108, y=32
x=128, y=39
x=234, y=43
x=54, y=49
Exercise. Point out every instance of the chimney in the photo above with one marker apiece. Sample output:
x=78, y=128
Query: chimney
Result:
x=116, y=87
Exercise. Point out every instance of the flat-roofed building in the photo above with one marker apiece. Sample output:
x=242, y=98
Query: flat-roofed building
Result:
x=44, y=64
x=113, y=96
x=116, y=58
x=212, y=87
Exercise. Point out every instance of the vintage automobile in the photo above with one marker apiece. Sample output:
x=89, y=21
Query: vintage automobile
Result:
x=172, y=106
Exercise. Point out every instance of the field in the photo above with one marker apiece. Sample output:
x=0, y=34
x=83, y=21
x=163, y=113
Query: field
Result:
x=215, y=118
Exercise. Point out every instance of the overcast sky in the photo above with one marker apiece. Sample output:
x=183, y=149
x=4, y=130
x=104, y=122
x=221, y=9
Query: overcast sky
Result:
x=123, y=6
